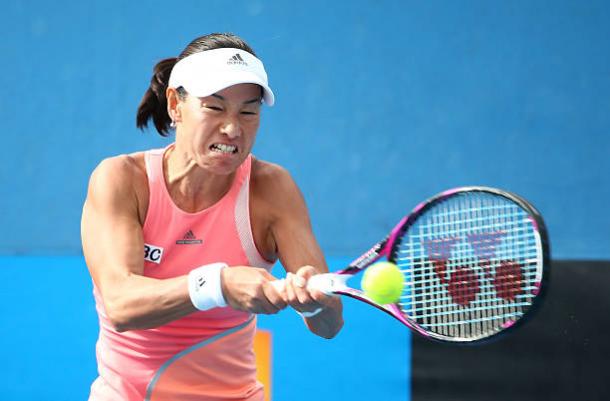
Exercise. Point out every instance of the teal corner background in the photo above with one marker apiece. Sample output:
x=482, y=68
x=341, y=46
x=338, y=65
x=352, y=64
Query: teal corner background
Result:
x=49, y=329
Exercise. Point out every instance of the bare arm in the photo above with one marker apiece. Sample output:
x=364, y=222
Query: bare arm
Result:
x=298, y=251
x=113, y=247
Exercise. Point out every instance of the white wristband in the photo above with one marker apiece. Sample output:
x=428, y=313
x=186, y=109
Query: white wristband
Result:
x=205, y=288
x=312, y=313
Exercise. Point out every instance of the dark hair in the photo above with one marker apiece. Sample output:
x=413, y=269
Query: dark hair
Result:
x=154, y=103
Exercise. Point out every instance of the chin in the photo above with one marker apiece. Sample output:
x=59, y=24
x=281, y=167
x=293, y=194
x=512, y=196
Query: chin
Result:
x=223, y=165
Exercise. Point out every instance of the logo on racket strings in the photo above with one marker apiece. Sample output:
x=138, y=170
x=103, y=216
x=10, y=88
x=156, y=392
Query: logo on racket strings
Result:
x=463, y=281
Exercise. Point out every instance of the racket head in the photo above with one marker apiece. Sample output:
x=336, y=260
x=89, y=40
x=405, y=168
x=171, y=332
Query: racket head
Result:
x=475, y=261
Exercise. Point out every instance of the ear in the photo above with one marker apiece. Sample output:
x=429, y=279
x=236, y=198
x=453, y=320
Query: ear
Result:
x=173, y=105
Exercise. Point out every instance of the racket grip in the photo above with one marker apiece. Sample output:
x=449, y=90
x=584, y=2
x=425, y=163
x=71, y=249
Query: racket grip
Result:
x=326, y=283
x=279, y=284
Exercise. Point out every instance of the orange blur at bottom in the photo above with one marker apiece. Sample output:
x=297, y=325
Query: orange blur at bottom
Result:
x=262, y=352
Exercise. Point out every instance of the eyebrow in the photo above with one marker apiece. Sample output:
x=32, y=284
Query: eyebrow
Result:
x=256, y=100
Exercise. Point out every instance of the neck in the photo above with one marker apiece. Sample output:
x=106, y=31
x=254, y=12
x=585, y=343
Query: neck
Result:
x=191, y=187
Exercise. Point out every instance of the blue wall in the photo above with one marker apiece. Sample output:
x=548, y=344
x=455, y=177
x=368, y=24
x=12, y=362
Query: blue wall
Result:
x=49, y=328
x=379, y=105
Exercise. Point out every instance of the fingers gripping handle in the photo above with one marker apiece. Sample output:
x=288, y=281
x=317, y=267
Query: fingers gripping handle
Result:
x=278, y=284
x=327, y=283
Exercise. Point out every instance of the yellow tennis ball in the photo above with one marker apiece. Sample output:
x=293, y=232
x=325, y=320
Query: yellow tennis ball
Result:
x=383, y=283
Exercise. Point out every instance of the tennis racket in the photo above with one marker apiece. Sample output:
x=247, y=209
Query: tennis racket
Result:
x=475, y=261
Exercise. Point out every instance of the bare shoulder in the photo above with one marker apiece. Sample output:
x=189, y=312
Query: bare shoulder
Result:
x=266, y=173
x=273, y=184
x=118, y=170
x=119, y=179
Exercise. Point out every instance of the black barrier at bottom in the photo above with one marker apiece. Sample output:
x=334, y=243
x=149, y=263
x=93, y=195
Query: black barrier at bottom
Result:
x=562, y=353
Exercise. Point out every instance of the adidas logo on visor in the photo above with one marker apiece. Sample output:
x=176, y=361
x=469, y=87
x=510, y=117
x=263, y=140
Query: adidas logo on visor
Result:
x=236, y=59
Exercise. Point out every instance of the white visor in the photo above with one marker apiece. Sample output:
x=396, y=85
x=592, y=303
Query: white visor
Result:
x=205, y=73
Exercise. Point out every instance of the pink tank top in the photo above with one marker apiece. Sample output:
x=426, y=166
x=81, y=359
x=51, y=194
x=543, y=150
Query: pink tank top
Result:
x=203, y=356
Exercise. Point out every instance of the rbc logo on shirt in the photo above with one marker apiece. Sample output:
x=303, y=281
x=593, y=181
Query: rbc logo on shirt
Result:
x=153, y=253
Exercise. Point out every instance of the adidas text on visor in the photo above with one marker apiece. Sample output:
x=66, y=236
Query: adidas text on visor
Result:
x=205, y=73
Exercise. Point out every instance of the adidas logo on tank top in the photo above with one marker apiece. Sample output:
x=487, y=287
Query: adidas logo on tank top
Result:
x=189, y=239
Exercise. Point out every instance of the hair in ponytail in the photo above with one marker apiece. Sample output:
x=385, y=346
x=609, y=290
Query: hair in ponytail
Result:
x=154, y=102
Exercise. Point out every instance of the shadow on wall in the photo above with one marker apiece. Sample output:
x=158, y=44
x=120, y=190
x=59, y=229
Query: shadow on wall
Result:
x=560, y=354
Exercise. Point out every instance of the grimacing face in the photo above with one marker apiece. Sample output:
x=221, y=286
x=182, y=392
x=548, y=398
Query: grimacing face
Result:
x=217, y=132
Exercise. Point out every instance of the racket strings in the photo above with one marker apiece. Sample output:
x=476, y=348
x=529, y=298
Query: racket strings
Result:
x=471, y=264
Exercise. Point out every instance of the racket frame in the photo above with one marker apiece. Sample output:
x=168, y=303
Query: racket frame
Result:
x=388, y=248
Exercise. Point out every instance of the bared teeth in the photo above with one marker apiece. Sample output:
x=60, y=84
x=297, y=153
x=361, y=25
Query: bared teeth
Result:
x=221, y=147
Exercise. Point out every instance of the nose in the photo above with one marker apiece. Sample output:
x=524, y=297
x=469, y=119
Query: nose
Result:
x=231, y=128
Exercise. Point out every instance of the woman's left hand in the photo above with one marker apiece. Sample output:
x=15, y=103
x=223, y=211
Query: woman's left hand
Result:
x=299, y=296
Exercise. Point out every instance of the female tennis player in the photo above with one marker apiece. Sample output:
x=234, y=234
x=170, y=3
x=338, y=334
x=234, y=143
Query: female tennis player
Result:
x=179, y=241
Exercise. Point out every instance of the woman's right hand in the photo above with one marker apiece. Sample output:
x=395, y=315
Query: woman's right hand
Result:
x=249, y=289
